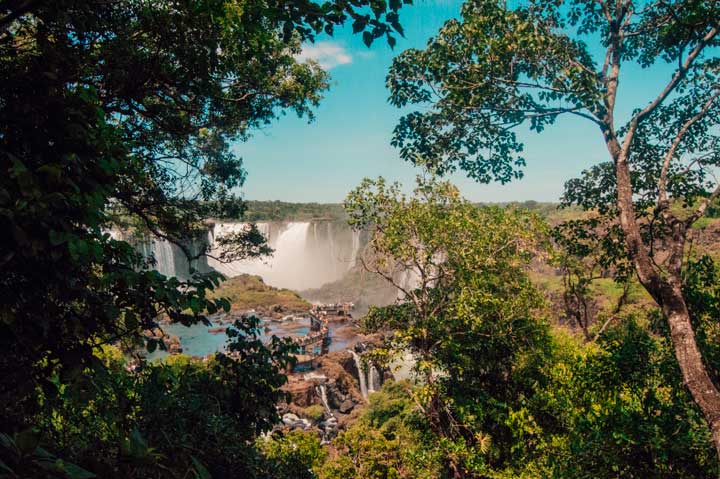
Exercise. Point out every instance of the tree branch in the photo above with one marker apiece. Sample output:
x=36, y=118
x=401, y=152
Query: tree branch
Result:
x=700, y=211
x=669, y=88
x=662, y=183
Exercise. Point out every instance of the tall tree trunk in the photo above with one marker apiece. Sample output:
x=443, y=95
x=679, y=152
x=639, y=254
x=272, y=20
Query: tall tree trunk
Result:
x=689, y=358
x=667, y=292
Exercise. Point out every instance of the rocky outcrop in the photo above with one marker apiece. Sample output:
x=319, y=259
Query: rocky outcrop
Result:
x=301, y=392
x=334, y=385
x=292, y=421
x=336, y=377
x=172, y=343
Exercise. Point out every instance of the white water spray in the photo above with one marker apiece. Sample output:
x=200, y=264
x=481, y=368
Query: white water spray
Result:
x=322, y=392
x=355, y=249
x=362, y=375
x=373, y=379
x=307, y=255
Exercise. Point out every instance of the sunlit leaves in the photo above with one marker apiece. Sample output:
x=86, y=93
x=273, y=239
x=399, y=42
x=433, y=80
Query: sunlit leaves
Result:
x=481, y=77
x=467, y=310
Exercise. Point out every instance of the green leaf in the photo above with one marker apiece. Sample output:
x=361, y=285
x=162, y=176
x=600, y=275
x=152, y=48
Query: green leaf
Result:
x=73, y=471
x=367, y=38
x=359, y=24
x=5, y=469
x=201, y=471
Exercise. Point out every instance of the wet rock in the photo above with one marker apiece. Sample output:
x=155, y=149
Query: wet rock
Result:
x=346, y=406
x=293, y=422
x=290, y=418
x=330, y=423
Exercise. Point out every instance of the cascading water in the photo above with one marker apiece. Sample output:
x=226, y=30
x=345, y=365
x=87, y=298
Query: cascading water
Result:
x=283, y=269
x=162, y=250
x=330, y=425
x=409, y=280
x=169, y=259
x=362, y=378
x=355, y=249
x=307, y=254
x=322, y=392
x=373, y=379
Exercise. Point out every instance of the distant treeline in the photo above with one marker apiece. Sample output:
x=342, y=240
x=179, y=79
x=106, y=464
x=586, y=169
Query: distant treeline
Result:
x=545, y=209
x=284, y=211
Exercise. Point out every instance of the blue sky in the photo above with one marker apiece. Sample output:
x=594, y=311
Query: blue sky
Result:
x=292, y=160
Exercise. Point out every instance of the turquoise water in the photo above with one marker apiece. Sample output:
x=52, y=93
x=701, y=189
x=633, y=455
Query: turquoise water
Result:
x=196, y=340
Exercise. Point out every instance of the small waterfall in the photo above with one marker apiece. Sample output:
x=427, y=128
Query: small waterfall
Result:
x=409, y=280
x=361, y=374
x=169, y=259
x=333, y=250
x=164, y=255
x=322, y=392
x=329, y=426
x=355, y=249
x=373, y=379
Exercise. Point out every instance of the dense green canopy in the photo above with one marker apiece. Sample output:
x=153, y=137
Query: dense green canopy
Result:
x=125, y=111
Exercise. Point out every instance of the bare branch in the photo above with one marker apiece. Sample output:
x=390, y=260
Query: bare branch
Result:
x=662, y=183
x=700, y=211
x=669, y=88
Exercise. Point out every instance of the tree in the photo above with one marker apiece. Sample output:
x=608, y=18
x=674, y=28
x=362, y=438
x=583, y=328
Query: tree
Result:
x=171, y=417
x=589, y=250
x=467, y=310
x=126, y=110
x=499, y=67
x=621, y=408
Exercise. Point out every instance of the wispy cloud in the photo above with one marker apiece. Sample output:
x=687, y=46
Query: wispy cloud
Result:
x=365, y=54
x=327, y=54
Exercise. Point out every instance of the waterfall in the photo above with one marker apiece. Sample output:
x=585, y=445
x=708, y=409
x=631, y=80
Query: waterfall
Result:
x=409, y=280
x=361, y=374
x=334, y=253
x=373, y=379
x=322, y=392
x=307, y=254
x=329, y=426
x=355, y=249
x=164, y=255
x=368, y=377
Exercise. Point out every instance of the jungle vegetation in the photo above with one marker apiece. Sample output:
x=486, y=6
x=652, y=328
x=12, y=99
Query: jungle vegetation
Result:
x=127, y=110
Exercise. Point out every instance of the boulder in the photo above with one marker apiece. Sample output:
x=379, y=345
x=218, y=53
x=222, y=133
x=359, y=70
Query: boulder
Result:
x=293, y=422
x=302, y=393
x=346, y=406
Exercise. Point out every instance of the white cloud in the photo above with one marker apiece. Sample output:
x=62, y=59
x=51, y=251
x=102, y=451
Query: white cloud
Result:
x=327, y=54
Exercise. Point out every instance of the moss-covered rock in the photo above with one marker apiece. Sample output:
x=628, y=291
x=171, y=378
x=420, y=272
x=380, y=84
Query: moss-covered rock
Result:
x=247, y=292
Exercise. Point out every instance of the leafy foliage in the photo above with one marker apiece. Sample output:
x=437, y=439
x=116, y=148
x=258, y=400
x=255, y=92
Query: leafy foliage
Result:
x=168, y=416
x=124, y=112
x=296, y=454
x=390, y=440
x=467, y=311
x=506, y=65
x=588, y=250
x=622, y=411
